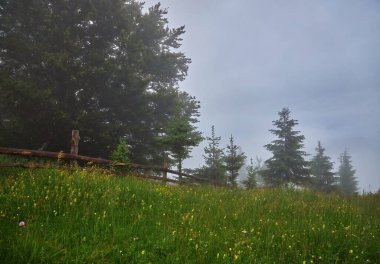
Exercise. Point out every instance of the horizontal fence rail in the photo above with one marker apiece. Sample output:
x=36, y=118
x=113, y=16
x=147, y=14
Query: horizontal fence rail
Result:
x=28, y=166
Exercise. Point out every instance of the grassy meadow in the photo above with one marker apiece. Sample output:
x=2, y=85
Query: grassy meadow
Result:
x=94, y=217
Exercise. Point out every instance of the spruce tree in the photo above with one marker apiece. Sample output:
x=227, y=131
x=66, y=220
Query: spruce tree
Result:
x=121, y=153
x=251, y=181
x=110, y=69
x=180, y=136
x=214, y=159
x=347, y=179
x=287, y=165
x=234, y=160
x=323, y=179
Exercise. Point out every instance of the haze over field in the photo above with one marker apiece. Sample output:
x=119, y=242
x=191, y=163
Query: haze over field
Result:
x=319, y=58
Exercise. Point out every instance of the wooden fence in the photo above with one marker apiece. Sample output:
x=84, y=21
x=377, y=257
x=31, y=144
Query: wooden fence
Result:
x=98, y=161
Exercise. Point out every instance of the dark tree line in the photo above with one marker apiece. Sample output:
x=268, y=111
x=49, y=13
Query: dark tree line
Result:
x=106, y=68
x=221, y=166
x=288, y=166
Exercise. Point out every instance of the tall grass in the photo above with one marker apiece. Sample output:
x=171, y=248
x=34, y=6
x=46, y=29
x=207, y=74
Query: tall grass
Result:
x=93, y=217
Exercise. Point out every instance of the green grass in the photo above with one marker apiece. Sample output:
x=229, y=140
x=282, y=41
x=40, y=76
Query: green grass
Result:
x=92, y=217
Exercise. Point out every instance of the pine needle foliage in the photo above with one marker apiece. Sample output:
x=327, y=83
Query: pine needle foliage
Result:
x=214, y=159
x=321, y=169
x=180, y=137
x=120, y=154
x=287, y=166
x=251, y=181
x=234, y=160
x=347, y=180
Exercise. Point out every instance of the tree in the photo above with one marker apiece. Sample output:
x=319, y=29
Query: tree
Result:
x=169, y=103
x=347, y=180
x=214, y=159
x=234, y=160
x=251, y=181
x=323, y=179
x=104, y=67
x=120, y=154
x=287, y=165
x=180, y=136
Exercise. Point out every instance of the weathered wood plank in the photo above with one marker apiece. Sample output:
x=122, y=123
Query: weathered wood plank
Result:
x=28, y=166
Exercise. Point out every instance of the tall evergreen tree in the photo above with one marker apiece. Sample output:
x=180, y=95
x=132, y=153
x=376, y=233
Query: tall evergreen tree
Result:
x=323, y=178
x=234, y=160
x=179, y=138
x=287, y=165
x=347, y=180
x=107, y=68
x=251, y=181
x=214, y=159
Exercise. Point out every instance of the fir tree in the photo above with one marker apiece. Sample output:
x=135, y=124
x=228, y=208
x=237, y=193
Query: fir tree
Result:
x=323, y=179
x=180, y=136
x=214, y=157
x=347, y=179
x=120, y=154
x=108, y=68
x=251, y=181
x=287, y=165
x=234, y=161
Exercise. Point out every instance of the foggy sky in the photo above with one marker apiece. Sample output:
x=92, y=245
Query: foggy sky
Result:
x=320, y=58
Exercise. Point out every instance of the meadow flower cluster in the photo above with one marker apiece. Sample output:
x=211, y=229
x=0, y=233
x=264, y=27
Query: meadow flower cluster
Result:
x=94, y=217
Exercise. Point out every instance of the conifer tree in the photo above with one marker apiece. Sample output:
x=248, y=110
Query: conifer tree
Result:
x=287, y=165
x=180, y=136
x=251, y=181
x=214, y=159
x=347, y=179
x=234, y=160
x=323, y=179
x=120, y=154
x=110, y=69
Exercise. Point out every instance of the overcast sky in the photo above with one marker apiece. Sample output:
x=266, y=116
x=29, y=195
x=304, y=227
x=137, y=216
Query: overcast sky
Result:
x=319, y=58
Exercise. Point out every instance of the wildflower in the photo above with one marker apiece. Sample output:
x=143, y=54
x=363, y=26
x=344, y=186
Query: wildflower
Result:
x=351, y=251
x=21, y=224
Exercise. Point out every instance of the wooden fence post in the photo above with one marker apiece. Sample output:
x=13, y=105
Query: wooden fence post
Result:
x=165, y=166
x=74, y=144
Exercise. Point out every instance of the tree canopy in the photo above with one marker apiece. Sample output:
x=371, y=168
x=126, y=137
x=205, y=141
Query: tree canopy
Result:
x=179, y=137
x=287, y=165
x=234, y=160
x=321, y=169
x=251, y=182
x=214, y=168
x=347, y=180
x=106, y=68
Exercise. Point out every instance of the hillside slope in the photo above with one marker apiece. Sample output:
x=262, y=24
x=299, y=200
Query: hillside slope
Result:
x=92, y=217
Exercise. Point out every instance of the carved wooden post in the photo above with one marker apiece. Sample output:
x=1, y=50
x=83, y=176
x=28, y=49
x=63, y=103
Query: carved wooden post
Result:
x=74, y=144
